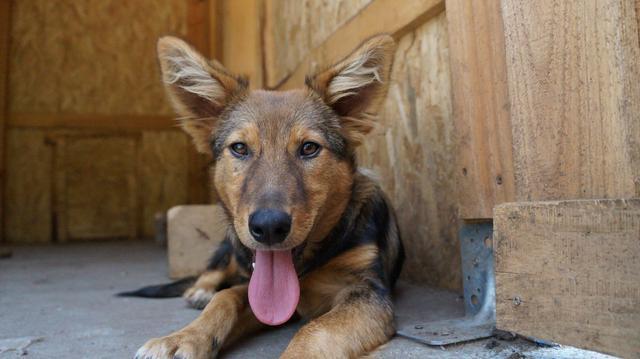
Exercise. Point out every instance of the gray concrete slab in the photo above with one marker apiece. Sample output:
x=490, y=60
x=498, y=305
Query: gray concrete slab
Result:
x=62, y=298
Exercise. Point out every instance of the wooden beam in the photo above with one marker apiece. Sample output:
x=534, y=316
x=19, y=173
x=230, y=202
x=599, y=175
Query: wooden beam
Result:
x=381, y=16
x=198, y=21
x=200, y=31
x=568, y=272
x=5, y=32
x=574, y=95
x=92, y=122
x=242, y=38
x=480, y=107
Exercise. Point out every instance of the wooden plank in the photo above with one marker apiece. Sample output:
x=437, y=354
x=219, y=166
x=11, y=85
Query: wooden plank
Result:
x=200, y=35
x=242, y=38
x=307, y=24
x=567, y=272
x=92, y=122
x=574, y=90
x=381, y=16
x=28, y=188
x=78, y=57
x=198, y=21
x=481, y=116
x=98, y=192
x=193, y=234
x=412, y=153
x=5, y=31
x=163, y=174
x=215, y=29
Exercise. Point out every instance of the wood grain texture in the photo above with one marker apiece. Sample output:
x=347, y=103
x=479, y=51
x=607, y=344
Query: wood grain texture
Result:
x=380, y=16
x=574, y=89
x=242, y=38
x=28, y=195
x=98, y=198
x=205, y=34
x=412, y=151
x=568, y=272
x=292, y=28
x=163, y=165
x=480, y=107
x=95, y=56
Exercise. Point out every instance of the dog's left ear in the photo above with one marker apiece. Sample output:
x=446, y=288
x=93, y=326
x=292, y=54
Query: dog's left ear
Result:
x=356, y=86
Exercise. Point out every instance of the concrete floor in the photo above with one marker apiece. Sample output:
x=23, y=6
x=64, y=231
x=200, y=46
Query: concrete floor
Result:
x=58, y=302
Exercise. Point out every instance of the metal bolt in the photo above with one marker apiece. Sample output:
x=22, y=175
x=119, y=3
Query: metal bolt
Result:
x=517, y=301
x=418, y=327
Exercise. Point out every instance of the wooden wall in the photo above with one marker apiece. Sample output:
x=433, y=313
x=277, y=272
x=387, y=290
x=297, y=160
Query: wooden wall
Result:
x=309, y=23
x=546, y=101
x=412, y=149
x=92, y=151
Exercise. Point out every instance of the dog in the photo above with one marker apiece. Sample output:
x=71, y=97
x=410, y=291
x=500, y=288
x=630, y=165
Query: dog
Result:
x=309, y=232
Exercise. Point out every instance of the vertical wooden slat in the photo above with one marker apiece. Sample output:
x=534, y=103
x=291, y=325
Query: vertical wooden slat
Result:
x=215, y=29
x=242, y=40
x=5, y=29
x=574, y=90
x=480, y=106
x=200, y=34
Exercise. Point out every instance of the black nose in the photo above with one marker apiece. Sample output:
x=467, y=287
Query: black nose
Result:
x=269, y=226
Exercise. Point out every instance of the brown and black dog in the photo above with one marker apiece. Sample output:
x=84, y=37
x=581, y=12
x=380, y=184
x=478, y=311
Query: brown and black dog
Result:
x=308, y=232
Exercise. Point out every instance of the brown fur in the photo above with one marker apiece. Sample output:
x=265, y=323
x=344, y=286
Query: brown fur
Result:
x=350, y=253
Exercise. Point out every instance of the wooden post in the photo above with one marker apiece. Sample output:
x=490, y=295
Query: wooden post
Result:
x=201, y=34
x=480, y=107
x=242, y=39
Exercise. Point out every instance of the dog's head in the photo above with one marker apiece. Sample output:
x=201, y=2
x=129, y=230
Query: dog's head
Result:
x=283, y=161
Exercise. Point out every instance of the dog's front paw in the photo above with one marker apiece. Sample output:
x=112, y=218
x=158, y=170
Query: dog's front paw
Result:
x=197, y=297
x=179, y=345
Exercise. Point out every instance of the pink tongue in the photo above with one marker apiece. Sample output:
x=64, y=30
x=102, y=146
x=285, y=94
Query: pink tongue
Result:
x=274, y=289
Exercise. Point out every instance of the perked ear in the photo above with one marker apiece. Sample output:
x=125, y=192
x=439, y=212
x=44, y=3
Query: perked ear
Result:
x=356, y=86
x=199, y=90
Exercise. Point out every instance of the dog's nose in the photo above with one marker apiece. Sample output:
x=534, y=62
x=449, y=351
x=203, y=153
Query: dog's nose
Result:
x=269, y=226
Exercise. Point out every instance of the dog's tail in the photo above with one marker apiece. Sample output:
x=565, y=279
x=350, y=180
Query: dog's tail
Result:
x=168, y=290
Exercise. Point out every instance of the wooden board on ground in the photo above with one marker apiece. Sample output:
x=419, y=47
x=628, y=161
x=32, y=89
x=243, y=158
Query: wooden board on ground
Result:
x=568, y=272
x=193, y=232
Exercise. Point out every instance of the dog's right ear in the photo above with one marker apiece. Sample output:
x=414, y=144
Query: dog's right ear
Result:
x=199, y=90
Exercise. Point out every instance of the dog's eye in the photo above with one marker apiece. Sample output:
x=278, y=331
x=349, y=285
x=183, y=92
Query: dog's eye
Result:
x=309, y=150
x=239, y=149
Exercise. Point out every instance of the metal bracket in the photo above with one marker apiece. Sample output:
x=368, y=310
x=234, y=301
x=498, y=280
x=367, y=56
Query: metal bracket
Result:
x=479, y=293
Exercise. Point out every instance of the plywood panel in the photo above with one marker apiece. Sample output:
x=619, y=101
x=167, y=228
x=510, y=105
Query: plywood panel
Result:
x=295, y=27
x=163, y=170
x=412, y=152
x=574, y=89
x=381, y=16
x=480, y=107
x=98, y=196
x=568, y=272
x=95, y=56
x=28, y=201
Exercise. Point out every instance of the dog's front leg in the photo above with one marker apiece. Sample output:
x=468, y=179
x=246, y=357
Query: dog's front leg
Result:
x=361, y=321
x=228, y=311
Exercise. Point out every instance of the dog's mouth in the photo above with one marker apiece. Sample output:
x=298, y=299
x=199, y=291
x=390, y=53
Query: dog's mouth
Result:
x=274, y=289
